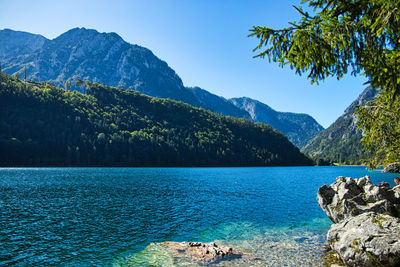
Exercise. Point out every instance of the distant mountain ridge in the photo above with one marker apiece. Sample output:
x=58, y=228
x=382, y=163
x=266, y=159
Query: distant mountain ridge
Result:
x=299, y=128
x=106, y=58
x=340, y=142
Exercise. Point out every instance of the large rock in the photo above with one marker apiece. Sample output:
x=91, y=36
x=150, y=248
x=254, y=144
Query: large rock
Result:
x=367, y=225
x=348, y=197
x=368, y=239
x=392, y=167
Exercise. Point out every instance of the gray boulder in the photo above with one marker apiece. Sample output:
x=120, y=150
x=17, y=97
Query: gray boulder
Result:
x=368, y=239
x=349, y=197
x=392, y=167
x=367, y=225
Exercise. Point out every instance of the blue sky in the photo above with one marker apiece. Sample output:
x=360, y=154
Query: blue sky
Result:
x=204, y=41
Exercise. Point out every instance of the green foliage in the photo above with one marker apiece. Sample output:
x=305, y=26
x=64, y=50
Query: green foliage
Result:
x=380, y=122
x=321, y=161
x=43, y=125
x=359, y=35
x=340, y=143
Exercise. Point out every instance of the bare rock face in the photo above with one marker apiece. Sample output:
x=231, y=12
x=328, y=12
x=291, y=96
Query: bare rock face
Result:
x=392, y=167
x=367, y=225
x=348, y=197
x=368, y=239
x=206, y=253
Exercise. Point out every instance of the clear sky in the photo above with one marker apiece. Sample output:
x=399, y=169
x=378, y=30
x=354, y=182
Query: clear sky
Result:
x=204, y=41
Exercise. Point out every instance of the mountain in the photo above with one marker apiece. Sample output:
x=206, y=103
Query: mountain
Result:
x=299, y=128
x=87, y=54
x=104, y=58
x=340, y=142
x=217, y=104
x=107, y=59
x=16, y=44
x=44, y=125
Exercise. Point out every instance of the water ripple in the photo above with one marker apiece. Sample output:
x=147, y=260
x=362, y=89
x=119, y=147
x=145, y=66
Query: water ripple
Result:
x=97, y=216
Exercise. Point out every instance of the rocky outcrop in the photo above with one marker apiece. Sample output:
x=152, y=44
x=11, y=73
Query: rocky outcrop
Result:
x=205, y=253
x=392, y=167
x=347, y=198
x=368, y=239
x=367, y=225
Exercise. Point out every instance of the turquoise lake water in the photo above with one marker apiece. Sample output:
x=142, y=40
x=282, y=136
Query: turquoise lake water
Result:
x=116, y=216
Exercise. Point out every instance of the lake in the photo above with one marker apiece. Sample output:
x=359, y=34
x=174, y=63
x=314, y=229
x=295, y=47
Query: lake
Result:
x=115, y=216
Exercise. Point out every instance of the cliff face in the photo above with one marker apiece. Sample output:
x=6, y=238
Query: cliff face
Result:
x=299, y=128
x=340, y=142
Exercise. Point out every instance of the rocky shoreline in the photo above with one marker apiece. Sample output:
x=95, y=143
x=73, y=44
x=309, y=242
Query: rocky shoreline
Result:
x=366, y=229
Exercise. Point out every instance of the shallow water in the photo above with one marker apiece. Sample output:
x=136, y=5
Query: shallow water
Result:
x=115, y=216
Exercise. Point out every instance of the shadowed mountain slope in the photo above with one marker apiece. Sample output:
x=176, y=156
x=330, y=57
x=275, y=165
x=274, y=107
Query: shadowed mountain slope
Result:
x=340, y=142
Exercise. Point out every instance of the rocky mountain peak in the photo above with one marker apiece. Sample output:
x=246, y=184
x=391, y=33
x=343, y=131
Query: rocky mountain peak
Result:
x=19, y=43
x=367, y=95
x=252, y=107
x=81, y=35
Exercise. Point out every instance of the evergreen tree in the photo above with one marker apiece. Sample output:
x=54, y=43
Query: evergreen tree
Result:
x=338, y=37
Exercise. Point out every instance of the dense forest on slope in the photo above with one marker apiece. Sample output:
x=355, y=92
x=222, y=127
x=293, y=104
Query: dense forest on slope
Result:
x=341, y=142
x=44, y=125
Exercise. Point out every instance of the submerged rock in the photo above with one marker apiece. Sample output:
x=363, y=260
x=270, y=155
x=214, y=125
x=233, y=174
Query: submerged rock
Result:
x=207, y=253
x=367, y=225
x=392, y=167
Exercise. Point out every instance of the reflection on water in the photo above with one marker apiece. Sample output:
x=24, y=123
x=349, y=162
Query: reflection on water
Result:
x=106, y=216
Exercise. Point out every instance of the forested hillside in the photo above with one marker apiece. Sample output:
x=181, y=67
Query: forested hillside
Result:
x=43, y=125
x=341, y=142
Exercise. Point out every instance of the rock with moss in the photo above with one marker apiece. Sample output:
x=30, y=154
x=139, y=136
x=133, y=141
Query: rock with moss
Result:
x=348, y=197
x=392, y=167
x=367, y=224
x=368, y=239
